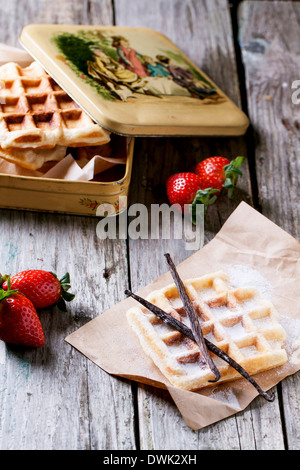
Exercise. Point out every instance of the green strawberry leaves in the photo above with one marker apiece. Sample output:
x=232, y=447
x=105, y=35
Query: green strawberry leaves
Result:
x=6, y=293
x=232, y=172
x=65, y=295
x=204, y=196
x=210, y=195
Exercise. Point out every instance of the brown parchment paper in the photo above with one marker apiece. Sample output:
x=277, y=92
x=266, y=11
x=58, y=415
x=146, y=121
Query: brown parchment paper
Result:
x=247, y=239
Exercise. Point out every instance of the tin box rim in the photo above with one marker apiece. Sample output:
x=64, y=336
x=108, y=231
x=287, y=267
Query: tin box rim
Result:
x=128, y=168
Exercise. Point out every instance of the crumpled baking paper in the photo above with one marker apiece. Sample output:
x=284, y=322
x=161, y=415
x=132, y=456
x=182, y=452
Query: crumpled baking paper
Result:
x=247, y=240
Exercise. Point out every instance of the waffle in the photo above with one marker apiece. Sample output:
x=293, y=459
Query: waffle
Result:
x=36, y=113
x=237, y=320
x=33, y=159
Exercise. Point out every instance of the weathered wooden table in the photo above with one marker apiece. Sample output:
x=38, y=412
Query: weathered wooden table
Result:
x=54, y=398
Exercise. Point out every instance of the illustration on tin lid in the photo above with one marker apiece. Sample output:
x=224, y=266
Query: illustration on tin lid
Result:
x=118, y=71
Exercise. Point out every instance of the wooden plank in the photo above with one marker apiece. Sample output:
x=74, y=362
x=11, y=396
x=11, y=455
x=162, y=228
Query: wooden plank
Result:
x=14, y=18
x=271, y=62
x=56, y=399
x=203, y=31
x=53, y=398
x=269, y=38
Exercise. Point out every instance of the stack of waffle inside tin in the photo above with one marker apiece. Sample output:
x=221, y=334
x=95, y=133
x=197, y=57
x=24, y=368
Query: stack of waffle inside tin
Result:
x=39, y=120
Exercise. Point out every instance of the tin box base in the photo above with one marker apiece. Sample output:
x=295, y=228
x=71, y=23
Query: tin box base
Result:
x=67, y=197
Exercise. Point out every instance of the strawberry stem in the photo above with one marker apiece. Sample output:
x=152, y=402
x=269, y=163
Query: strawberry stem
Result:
x=204, y=196
x=7, y=293
x=3, y=279
x=232, y=172
x=65, y=295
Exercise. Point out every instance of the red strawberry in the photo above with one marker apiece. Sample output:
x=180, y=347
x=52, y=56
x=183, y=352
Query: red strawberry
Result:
x=182, y=188
x=19, y=322
x=42, y=288
x=219, y=173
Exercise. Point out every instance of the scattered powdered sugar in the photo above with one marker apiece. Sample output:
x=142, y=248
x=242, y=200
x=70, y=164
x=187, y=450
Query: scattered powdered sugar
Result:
x=221, y=312
x=244, y=276
x=227, y=396
x=236, y=331
x=291, y=326
x=292, y=329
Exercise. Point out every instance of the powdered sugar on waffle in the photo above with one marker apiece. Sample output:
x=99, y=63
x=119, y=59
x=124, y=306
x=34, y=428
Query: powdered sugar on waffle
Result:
x=244, y=276
x=235, y=313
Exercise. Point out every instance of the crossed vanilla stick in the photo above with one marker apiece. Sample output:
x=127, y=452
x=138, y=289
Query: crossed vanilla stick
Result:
x=195, y=333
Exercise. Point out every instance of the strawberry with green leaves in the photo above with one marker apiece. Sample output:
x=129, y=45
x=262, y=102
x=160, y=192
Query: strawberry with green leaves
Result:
x=43, y=288
x=211, y=178
x=182, y=189
x=19, y=321
x=219, y=173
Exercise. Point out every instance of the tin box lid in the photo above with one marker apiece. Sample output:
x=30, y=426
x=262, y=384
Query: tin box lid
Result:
x=133, y=81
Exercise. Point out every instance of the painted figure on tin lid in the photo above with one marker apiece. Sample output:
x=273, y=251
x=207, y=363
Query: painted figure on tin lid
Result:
x=131, y=59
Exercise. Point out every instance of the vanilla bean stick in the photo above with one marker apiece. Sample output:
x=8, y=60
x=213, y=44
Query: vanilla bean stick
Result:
x=182, y=328
x=195, y=324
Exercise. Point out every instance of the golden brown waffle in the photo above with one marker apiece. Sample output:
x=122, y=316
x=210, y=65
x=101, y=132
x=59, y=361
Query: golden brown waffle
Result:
x=238, y=321
x=33, y=159
x=36, y=113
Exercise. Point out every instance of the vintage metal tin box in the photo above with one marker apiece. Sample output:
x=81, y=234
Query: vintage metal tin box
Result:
x=130, y=82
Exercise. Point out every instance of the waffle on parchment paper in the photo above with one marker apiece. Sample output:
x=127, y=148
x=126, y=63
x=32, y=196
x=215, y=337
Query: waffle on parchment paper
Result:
x=238, y=321
x=37, y=115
